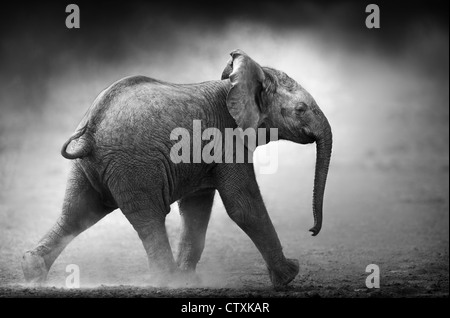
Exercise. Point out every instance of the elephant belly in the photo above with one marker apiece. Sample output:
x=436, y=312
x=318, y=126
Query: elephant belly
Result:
x=153, y=173
x=192, y=178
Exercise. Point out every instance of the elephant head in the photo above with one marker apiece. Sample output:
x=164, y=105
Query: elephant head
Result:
x=265, y=97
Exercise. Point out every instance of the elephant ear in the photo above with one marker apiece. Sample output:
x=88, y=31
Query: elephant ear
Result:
x=228, y=69
x=243, y=99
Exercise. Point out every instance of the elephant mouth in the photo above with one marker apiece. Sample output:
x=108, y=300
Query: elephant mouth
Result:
x=306, y=137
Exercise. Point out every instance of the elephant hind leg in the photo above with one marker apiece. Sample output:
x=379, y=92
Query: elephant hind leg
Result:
x=82, y=208
x=195, y=211
x=147, y=216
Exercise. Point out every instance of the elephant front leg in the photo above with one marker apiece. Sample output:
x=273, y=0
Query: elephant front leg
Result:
x=195, y=211
x=242, y=199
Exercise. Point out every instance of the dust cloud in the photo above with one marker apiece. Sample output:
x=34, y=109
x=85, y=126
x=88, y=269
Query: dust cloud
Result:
x=385, y=93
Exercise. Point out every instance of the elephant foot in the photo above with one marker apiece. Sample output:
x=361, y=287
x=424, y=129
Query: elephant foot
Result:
x=284, y=274
x=34, y=269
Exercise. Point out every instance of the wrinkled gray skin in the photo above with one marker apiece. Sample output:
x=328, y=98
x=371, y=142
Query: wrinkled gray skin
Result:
x=121, y=159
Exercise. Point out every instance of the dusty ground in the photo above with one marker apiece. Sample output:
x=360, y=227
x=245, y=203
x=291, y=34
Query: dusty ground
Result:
x=387, y=197
x=396, y=218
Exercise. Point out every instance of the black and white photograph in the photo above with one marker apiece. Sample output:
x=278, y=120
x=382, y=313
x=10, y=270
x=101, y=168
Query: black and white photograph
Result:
x=246, y=150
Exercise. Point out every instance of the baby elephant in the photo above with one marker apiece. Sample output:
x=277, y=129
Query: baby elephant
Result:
x=123, y=155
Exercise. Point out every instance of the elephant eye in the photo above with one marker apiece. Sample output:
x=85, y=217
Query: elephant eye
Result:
x=301, y=108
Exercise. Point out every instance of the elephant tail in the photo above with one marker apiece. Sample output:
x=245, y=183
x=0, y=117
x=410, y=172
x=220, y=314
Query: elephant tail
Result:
x=82, y=147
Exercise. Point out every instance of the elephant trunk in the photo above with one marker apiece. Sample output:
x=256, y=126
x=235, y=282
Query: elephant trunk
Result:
x=324, y=143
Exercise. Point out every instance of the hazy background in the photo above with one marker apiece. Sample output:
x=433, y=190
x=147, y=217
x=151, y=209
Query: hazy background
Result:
x=384, y=91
